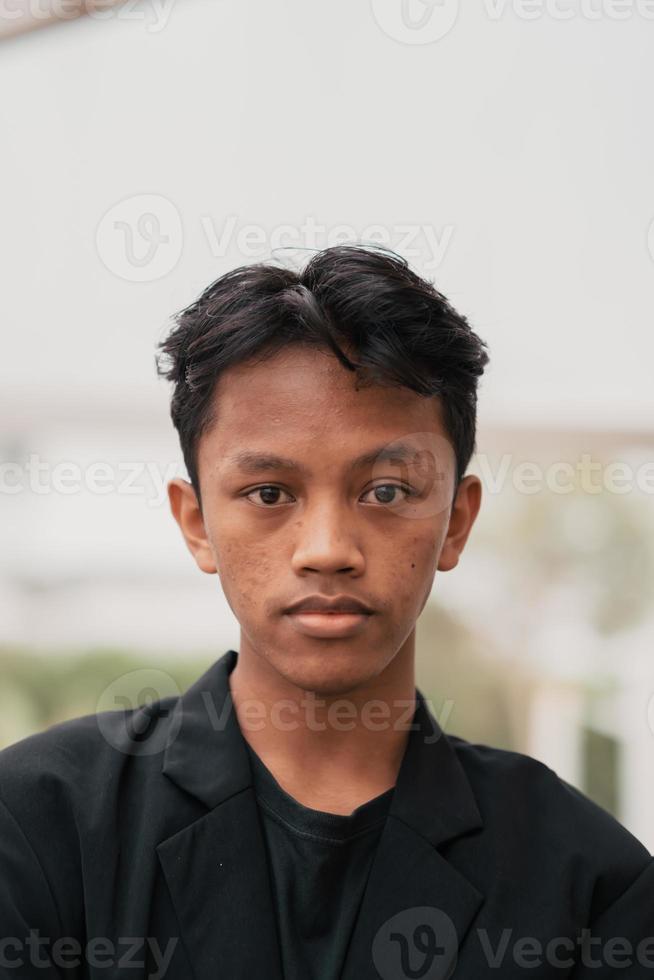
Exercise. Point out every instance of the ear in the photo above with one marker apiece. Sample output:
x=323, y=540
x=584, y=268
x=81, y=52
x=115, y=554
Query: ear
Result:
x=464, y=511
x=186, y=511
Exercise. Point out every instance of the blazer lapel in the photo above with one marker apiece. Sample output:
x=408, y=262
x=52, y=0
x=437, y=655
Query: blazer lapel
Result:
x=415, y=913
x=417, y=907
x=217, y=874
x=216, y=868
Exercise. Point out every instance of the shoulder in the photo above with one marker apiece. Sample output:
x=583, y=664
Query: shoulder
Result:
x=526, y=807
x=79, y=758
x=513, y=783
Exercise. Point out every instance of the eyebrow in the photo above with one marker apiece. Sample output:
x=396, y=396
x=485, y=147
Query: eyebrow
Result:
x=251, y=461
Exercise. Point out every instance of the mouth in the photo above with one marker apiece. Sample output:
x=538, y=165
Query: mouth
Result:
x=336, y=624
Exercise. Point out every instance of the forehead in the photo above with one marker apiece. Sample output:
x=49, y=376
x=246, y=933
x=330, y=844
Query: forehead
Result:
x=301, y=400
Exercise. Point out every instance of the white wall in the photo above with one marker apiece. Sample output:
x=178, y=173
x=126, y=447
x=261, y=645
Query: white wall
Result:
x=524, y=145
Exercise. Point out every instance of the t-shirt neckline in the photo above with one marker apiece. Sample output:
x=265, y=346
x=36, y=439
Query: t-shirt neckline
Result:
x=307, y=822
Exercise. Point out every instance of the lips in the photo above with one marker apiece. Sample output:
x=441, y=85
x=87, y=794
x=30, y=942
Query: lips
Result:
x=330, y=605
x=329, y=617
x=329, y=625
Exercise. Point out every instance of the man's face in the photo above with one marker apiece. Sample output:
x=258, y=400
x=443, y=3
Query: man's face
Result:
x=320, y=520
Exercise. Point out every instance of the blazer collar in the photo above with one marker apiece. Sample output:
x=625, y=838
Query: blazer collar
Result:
x=206, y=754
x=216, y=867
x=207, y=757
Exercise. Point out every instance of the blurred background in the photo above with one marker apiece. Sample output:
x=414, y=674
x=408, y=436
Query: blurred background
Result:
x=505, y=149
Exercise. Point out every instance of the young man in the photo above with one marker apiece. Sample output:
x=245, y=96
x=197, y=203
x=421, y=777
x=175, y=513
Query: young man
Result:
x=298, y=813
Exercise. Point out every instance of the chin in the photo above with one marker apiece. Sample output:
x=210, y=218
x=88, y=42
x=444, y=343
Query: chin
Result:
x=328, y=672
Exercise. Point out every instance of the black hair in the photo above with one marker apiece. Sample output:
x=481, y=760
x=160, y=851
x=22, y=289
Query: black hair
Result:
x=402, y=331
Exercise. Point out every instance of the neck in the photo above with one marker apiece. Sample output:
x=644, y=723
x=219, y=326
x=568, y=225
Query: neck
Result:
x=330, y=752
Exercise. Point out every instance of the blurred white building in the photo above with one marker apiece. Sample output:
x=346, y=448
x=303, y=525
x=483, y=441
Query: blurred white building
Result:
x=149, y=151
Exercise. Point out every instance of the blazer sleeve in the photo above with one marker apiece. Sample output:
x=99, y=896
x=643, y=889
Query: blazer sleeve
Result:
x=28, y=913
x=620, y=941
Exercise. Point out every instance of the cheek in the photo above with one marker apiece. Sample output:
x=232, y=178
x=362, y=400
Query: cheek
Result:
x=420, y=554
x=246, y=574
x=417, y=568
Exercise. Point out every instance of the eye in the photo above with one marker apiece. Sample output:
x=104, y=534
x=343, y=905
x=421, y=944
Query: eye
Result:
x=268, y=492
x=393, y=488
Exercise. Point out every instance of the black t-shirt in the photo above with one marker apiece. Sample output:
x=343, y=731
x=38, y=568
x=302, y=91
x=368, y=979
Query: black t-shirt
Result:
x=319, y=864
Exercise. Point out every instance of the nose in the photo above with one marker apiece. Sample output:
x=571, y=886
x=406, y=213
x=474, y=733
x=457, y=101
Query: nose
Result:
x=326, y=541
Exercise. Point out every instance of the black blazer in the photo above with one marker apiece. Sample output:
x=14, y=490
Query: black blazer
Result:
x=133, y=839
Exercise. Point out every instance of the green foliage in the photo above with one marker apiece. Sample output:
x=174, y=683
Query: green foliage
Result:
x=40, y=690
